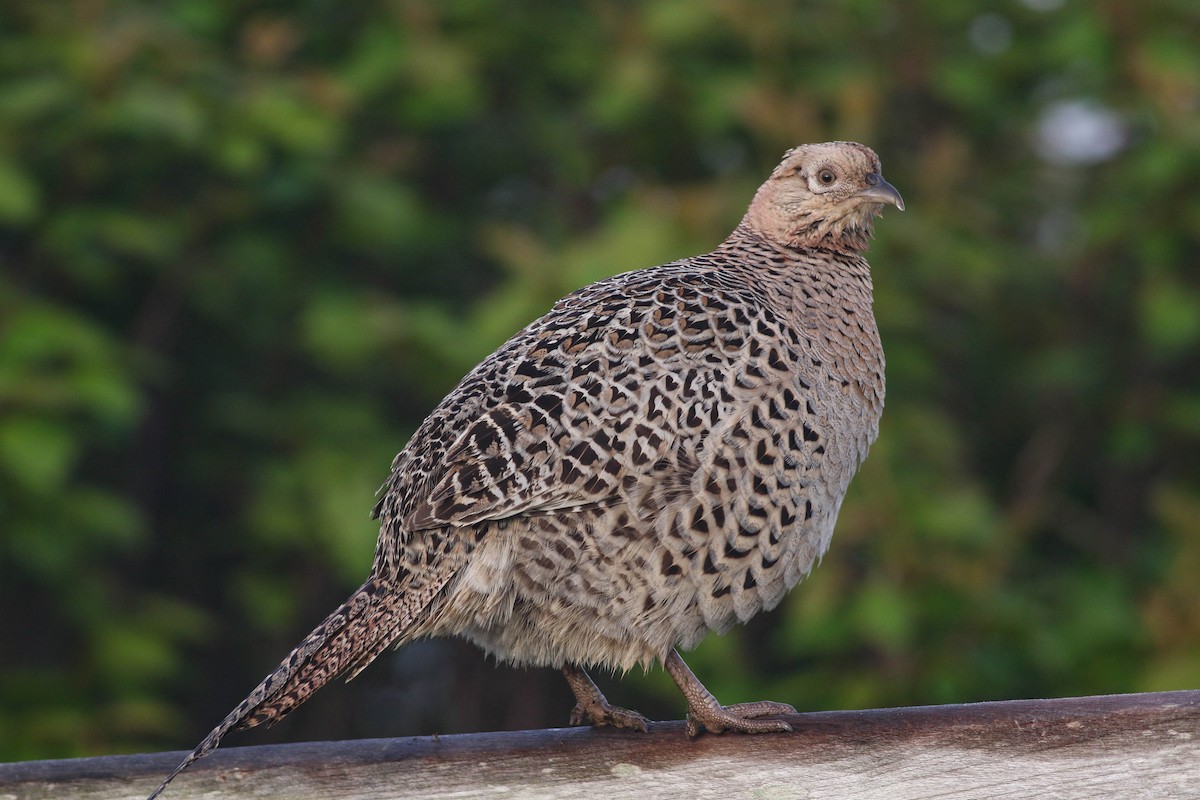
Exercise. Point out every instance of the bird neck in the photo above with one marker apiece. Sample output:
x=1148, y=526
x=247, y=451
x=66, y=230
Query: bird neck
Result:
x=841, y=250
x=797, y=230
x=826, y=296
x=798, y=274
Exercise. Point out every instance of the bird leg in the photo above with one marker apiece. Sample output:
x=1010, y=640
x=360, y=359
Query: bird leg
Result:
x=706, y=714
x=591, y=708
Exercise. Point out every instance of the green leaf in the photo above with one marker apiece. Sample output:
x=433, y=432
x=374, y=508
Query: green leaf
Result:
x=20, y=198
x=37, y=453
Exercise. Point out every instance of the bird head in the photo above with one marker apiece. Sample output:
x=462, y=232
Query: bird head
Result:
x=823, y=196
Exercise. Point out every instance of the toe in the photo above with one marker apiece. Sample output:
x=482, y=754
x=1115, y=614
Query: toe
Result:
x=600, y=715
x=629, y=719
x=739, y=719
x=761, y=708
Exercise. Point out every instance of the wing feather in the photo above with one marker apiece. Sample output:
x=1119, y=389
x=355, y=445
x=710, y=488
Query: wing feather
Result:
x=574, y=407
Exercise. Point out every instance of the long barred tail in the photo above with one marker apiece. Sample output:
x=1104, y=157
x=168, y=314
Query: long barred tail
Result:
x=372, y=618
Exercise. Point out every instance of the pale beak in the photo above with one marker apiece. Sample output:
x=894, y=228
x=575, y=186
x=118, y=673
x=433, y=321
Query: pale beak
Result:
x=880, y=191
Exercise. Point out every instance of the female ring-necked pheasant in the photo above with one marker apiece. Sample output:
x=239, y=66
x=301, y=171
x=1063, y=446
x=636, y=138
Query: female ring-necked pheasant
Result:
x=661, y=455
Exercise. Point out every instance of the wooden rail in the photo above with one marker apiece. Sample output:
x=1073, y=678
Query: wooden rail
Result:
x=1114, y=747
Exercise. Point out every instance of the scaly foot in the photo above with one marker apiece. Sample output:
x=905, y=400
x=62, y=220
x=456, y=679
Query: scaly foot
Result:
x=706, y=714
x=740, y=718
x=592, y=708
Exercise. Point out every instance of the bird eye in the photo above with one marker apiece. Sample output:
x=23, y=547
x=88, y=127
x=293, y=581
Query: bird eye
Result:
x=826, y=177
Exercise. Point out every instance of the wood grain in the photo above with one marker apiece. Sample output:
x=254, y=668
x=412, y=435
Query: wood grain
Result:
x=1118, y=746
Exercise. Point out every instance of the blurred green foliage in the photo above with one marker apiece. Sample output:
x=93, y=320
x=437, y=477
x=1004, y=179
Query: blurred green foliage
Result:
x=245, y=247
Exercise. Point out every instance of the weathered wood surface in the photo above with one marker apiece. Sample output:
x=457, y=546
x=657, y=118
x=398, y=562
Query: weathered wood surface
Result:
x=1118, y=747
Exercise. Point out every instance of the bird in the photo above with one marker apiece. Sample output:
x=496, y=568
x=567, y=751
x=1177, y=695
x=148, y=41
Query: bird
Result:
x=660, y=456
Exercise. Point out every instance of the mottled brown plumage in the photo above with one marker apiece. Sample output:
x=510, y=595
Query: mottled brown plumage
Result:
x=661, y=455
